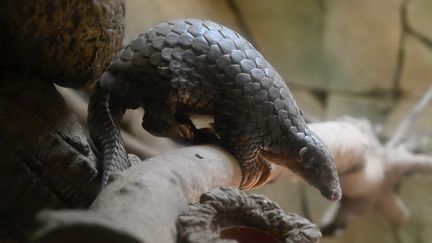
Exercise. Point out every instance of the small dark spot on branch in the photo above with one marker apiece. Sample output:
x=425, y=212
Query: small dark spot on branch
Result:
x=123, y=190
x=173, y=181
x=199, y=156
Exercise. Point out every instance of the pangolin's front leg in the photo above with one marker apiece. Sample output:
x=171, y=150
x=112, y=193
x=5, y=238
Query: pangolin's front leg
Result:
x=161, y=119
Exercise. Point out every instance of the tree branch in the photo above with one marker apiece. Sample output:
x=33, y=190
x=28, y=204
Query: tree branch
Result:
x=401, y=131
x=142, y=203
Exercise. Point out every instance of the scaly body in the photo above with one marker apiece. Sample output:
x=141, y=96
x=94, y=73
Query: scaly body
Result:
x=197, y=66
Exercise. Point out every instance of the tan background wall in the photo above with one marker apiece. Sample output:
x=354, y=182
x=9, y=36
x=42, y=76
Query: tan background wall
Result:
x=363, y=58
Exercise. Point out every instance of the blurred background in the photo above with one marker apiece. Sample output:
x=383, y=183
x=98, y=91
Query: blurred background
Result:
x=366, y=59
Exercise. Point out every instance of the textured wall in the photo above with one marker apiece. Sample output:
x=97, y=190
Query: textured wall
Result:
x=363, y=58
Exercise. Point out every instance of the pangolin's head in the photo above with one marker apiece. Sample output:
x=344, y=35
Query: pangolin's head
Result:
x=309, y=159
x=317, y=167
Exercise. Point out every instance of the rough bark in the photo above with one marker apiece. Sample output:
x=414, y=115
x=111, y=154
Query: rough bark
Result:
x=228, y=207
x=46, y=159
x=137, y=140
x=63, y=41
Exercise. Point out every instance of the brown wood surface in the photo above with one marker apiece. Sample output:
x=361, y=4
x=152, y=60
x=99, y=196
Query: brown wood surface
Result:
x=46, y=159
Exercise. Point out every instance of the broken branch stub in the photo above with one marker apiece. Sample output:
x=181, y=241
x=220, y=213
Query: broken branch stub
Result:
x=369, y=172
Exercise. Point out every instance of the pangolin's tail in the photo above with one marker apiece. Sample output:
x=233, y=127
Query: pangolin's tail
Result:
x=103, y=122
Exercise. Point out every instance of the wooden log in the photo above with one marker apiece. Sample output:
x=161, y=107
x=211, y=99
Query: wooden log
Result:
x=142, y=203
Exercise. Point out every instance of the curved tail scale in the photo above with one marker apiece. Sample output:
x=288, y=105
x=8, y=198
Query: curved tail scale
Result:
x=105, y=133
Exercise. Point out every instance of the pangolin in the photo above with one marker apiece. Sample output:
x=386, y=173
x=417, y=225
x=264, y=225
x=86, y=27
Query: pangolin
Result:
x=188, y=66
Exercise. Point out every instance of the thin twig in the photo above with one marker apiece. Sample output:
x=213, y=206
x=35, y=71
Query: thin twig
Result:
x=400, y=134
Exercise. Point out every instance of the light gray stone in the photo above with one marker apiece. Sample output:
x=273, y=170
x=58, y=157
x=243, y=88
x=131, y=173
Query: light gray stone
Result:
x=417, y=194
x=142, y=14
x=419, y=16
x=288, y=33
x=308, y=103
x=361, y=41
x=417, y=69
x=375, y=108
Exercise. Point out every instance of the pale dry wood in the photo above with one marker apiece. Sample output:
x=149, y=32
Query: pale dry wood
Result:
x=369, y=172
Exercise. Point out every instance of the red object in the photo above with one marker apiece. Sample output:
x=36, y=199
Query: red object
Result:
x=246, y=234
